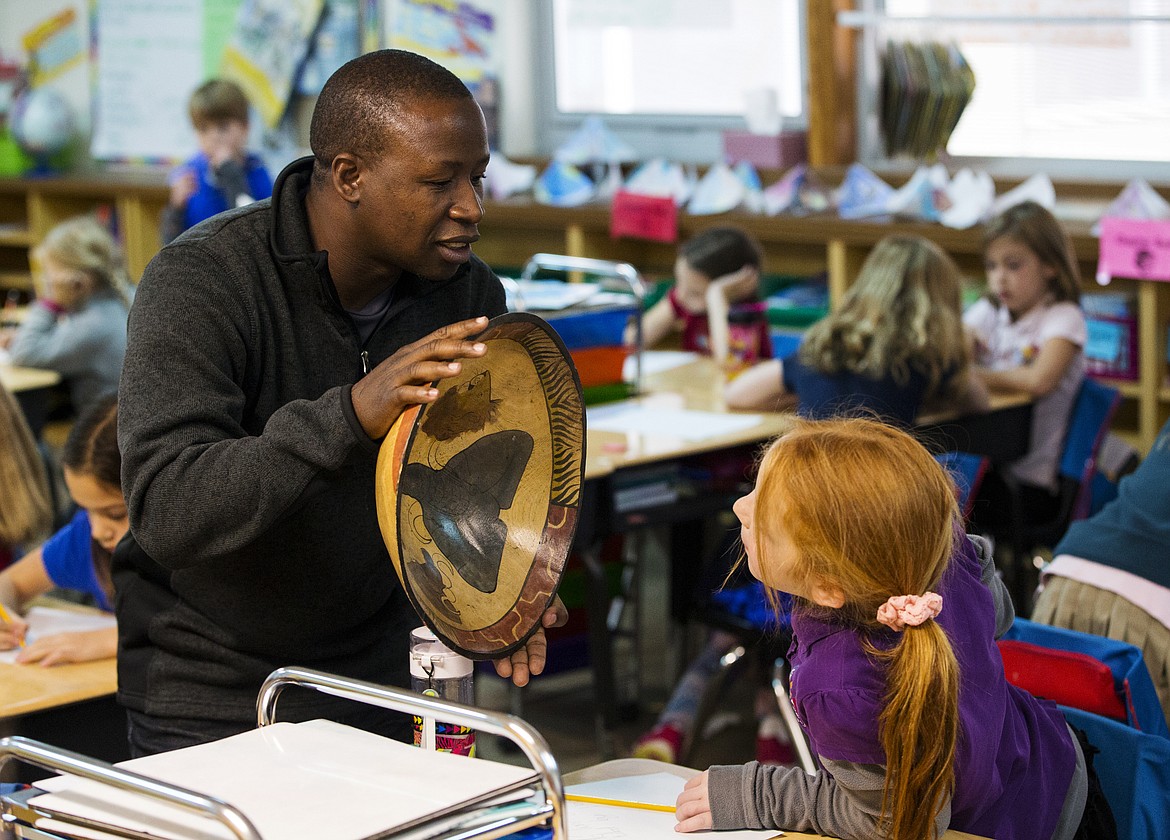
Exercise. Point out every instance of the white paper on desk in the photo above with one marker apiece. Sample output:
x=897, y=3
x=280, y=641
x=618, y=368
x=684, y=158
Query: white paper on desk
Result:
x=591, y=821
x=660, y=422
x=295, y=781
x=49, y=621
x=657, y=361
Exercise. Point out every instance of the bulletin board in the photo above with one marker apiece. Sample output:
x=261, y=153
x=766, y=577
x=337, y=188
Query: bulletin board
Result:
x=147, y=57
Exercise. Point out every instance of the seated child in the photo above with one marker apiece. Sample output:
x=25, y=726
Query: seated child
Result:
x=896, y=677
x=77, y=326
x=713, y=304
x=27, y=512
x=1110, y=573
x=78, y=556
x=1029, y=334
x=224, y=174
x=894, y=345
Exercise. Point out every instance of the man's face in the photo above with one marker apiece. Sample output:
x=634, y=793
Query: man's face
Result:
x=421, y=203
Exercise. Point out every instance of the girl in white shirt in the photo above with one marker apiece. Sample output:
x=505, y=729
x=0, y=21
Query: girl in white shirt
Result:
x=1029, y=335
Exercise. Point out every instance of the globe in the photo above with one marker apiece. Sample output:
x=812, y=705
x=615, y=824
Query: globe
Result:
x=42, y=123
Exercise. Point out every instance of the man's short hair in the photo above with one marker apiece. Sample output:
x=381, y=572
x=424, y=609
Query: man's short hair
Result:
x=217, y=100
x=362, y=99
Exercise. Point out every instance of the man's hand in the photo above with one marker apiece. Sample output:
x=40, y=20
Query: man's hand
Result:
x=528, y=661
x=693, y=808
x=405, y=378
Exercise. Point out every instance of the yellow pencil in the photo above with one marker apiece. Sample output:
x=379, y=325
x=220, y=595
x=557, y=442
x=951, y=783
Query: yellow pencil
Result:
x=7, y=619
x=620, y=803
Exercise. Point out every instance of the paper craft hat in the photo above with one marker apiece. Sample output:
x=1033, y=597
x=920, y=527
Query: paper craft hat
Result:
x=478, y=493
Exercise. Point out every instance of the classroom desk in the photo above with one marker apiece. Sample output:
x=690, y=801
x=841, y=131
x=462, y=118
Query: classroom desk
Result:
x=625, y=767
x=1002, y=434
x=633, y=461
x=31, y=388
x=641, y=461
x=70, y=706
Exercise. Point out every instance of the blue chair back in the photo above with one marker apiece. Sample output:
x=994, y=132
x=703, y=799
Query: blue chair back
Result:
x=1131, y=678
x=1091, y=416
x=1134, y=769
x=968, y=470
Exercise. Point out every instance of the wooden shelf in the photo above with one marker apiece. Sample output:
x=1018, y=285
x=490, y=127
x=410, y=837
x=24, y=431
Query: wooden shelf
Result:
x=16, y=280
x=15, y=236
x=514, y=229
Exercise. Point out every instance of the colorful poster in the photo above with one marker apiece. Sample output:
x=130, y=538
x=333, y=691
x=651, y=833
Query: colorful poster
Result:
x=53, y=47
x=266, y=52
x=460, y=36
x=148, y=59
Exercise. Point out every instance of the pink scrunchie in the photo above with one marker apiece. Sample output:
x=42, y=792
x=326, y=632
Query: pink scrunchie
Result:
x=902, y=611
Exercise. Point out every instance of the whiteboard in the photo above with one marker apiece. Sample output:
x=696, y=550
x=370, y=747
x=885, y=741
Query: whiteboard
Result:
x=149, y=57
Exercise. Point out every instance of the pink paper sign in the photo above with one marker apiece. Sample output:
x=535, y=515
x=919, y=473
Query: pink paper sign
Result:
x=1134, y=248
x=644, y=217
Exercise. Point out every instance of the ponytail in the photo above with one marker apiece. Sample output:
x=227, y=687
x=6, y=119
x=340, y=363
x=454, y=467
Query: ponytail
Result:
x=919, y=729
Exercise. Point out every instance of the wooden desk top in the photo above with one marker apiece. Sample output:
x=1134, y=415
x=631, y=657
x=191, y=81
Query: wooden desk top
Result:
x=32, y=688
x=697, y=386
x=16, y=379
x=694, y=386
x=625, y=767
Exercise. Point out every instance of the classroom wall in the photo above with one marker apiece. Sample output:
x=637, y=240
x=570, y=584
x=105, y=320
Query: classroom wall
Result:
x=516, y=66
x=17, y=17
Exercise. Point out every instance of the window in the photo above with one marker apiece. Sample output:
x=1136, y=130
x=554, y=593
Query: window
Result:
x=652, y=69
x=1050, y=87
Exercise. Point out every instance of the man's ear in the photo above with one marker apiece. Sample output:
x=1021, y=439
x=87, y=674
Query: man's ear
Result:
x=346, y=171
x=826, y=594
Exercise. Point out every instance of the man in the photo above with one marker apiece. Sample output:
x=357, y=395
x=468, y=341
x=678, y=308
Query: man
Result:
x=270, y=350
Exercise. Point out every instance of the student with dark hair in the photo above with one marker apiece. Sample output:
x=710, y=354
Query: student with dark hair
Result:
x=295, y=331
x=713, y=304
x=78, y=556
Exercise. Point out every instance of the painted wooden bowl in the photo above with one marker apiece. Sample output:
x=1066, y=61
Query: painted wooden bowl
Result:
x=478, y=492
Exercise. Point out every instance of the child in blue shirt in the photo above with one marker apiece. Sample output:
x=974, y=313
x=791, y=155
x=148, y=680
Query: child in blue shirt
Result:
x=78, y=556
x=223, y=175
x=896, y=677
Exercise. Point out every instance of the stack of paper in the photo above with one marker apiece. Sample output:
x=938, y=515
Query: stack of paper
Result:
x=294, y=781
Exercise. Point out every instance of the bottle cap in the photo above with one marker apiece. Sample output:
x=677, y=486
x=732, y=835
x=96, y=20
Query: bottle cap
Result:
x=431, y=659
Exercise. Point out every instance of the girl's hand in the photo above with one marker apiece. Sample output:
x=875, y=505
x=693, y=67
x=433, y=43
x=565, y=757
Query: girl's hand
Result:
x=738, y=284
x=70, y=647
x=12, y=632
x=693, y=809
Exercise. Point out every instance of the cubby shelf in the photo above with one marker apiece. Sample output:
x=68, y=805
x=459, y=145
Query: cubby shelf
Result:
x=514, y=229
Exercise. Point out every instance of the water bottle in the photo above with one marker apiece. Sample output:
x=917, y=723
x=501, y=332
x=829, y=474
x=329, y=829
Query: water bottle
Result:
x=438, y=671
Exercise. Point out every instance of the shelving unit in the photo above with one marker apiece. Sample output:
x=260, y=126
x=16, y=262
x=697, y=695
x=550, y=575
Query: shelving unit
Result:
x=515, y=229
x=29, y=208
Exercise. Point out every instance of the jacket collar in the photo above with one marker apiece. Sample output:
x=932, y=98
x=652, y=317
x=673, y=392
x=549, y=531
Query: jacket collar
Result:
x=289, y=238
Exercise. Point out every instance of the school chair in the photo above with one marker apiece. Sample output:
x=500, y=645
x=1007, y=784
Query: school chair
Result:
x=968, y=470
x=1134, y=769
x=1102, y=687
x=1092, y=414
x=1089, y=672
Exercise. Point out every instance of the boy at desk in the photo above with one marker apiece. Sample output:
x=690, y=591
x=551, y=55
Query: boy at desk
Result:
x=78, y=556
x=293, y=333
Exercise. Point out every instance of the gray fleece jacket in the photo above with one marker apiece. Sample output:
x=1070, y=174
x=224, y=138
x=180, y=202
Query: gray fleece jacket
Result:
x=254, y=538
